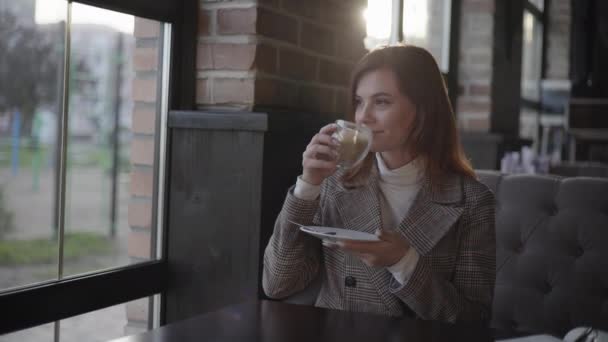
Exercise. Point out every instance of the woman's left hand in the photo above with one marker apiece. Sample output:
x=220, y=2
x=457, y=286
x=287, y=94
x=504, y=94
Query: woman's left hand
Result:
x=386, y=252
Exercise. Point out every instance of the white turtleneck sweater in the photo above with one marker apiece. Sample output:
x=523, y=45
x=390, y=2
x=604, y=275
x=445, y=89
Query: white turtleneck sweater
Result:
x=399, y=188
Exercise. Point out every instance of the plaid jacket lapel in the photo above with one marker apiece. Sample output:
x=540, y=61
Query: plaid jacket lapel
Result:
x=359, y=208
x=432, y=214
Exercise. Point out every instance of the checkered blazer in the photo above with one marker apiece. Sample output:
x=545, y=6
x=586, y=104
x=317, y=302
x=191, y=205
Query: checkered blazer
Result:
x=450, y=226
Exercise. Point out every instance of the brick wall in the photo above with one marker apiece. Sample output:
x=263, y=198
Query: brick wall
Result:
x=142, y=150
x=475, y=67
x=558, y=44
x=226, y=54
x=279, y=55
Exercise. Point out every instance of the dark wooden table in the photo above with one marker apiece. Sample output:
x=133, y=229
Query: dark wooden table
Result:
x=275, y=321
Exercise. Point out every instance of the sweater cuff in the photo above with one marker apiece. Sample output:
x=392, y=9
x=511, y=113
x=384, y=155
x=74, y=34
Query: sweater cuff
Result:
x=305, y=190
x=404, y=268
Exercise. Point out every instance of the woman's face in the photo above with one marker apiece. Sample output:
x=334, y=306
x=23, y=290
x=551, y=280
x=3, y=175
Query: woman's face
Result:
x=380, y=105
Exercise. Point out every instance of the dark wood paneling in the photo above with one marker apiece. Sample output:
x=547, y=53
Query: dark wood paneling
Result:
x=214, y=215
x=219, y=121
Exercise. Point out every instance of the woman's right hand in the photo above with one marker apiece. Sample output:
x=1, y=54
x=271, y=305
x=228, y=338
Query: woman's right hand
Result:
x=320, y=159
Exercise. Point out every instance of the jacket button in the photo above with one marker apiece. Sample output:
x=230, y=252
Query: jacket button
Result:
x=350, y=281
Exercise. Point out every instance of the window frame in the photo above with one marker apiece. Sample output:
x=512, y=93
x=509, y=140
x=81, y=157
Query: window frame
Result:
x=65, y=298
x=451, y=77
x=542, y=18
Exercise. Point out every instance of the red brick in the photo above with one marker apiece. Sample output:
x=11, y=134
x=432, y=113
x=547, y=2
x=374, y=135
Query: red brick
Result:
x=204, y=23
x=340, y=14
x=317, y=39
x=270, y=3
x=266, y=58
x=343, y=107
x=309, y=99
x=327, y=100
x=478, y=124
x=481, y=57
x=137, y=310
x=277, y=26
x=477, y=72
x=236, y=20
x=476, y=40
x=233, y=56
x=204, y=57
x=142, y=183
x=232, y=90
x=146, y=59
x=315, y=99
x=142, y=151
x=144, y=118
x=203, y=95
x=225, y=56
x=476, y=89
x=350, y=46
x=144, y=89
x=461, y=89
x=145, y=28
x=485, y=6
x=297, y=66
x=473, y=107
x=309, y=8
x=140, y=214
x=139, y=244
x=275, y=93
x=334, y=73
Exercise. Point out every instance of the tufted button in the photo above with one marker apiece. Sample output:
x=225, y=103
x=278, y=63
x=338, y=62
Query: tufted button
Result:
x=547, y=287
x=511, y=325
x=553, y=210
x=350, y=281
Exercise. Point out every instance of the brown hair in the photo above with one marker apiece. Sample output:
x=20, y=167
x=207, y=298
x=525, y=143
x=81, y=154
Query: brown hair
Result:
x=434, y=135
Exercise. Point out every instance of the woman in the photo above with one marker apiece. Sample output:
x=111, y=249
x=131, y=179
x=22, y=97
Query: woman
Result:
x=415, y=190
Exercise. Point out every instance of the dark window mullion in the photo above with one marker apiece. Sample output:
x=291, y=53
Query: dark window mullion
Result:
x=535, y=11
x=454, y=52
x=62, y=299
x=531, y=104
x=545, y=28
x=160, y=10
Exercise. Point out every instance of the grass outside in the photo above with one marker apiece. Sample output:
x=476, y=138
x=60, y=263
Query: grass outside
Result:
x=88, y=155
x=41, y=251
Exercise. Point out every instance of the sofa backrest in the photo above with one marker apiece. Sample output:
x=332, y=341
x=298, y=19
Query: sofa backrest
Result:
x=551, y=252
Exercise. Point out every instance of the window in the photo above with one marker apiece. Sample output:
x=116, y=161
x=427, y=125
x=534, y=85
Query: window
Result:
x=532, y=68
x=532, y=55
x=424, y=23
x=84, y=94
x=431, y=24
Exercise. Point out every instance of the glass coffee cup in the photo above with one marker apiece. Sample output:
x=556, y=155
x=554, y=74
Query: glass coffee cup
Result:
x=355, y=142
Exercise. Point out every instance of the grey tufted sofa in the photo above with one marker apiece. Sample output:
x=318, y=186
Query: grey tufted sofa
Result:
x=551, y=253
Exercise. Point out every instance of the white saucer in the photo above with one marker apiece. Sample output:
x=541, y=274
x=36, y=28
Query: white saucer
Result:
x=333, y=234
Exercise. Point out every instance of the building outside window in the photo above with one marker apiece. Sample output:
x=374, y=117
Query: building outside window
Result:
x=81, y=153
x=424, y=23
